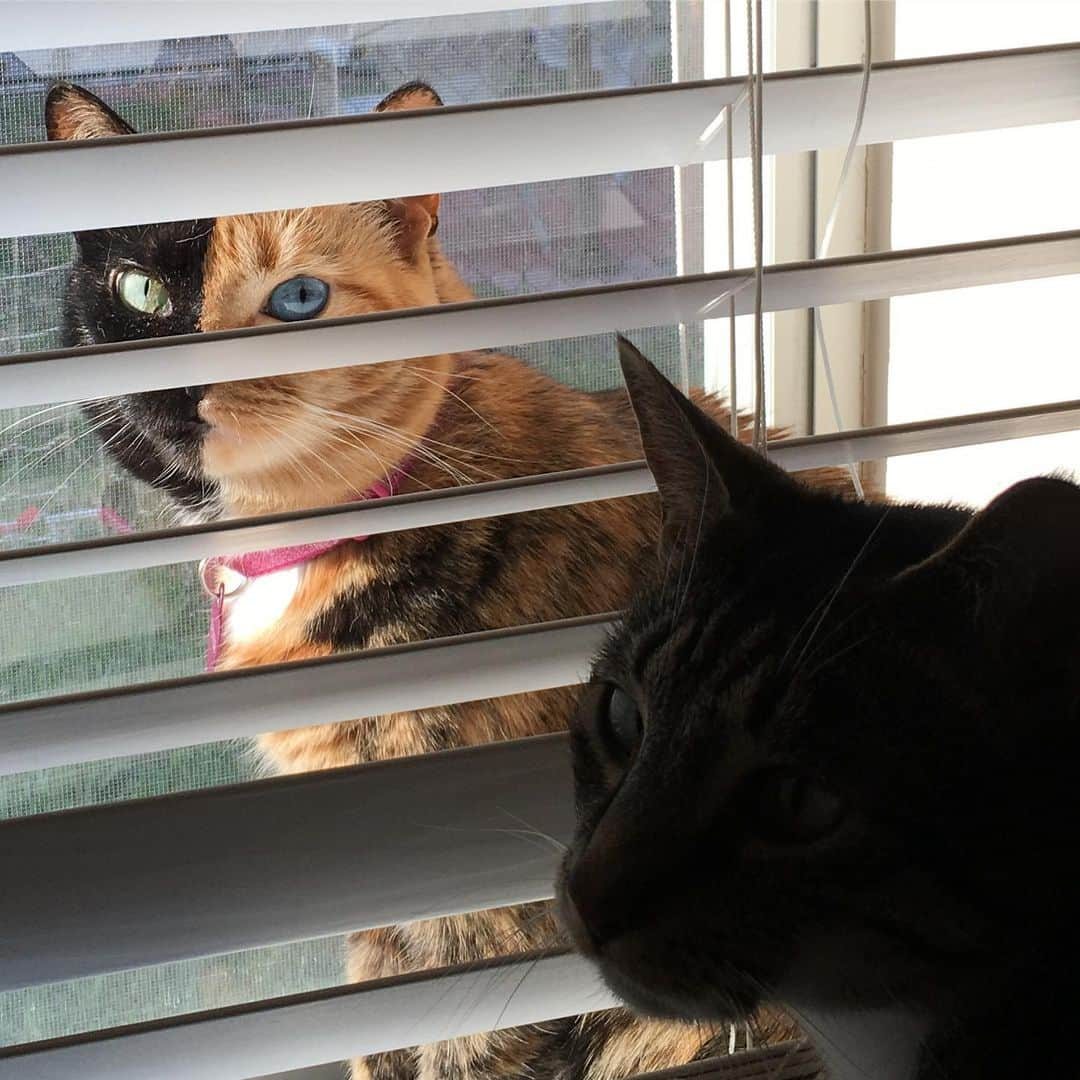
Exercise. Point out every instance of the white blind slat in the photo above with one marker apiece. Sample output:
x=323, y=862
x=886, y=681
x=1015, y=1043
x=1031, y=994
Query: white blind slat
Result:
x=207, y=708
x=143, y=550
x=312, y=1028
x=58, y=24
x=154, y=364
x=63, y=187
x=785, y=1061
x=122, y=886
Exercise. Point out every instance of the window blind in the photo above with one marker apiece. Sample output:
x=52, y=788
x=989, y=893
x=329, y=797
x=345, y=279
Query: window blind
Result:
x=61, y=23
x=96, y=889
x=24, y=566
x=55, y=187
x=288, y=1033
x=217, y=356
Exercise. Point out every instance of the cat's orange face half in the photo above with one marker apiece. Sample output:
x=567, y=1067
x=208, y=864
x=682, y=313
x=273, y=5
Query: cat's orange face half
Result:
x=319, y=435
x=283, y=442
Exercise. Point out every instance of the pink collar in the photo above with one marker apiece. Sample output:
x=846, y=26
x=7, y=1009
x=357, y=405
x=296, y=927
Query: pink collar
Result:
x=225, y=575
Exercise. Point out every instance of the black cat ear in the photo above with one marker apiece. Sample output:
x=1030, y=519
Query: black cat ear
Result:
x=701, y=472
x=74, y=113
x=417, y=216
x=1012, y=574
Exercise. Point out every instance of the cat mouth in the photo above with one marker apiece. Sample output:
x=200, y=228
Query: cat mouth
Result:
x=643, y=969
x=186, y=430
x=670, y=991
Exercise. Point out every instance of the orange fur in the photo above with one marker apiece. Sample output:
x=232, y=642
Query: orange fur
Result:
x=497, y=418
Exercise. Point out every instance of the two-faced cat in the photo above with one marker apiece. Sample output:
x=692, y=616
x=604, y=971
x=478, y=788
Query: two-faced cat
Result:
x=828, y=760
x=322, y=437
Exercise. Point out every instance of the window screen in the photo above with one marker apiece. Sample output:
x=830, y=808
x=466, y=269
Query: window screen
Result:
x=57, y=485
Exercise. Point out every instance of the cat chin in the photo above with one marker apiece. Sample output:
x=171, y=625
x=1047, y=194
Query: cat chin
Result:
x=723, y=1001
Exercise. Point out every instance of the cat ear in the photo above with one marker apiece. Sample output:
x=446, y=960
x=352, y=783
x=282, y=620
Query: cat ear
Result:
x=1012, y=574
x=701, y=472
x=74, y=113
x=412, y=95
x=417, y=216
x=692, y=494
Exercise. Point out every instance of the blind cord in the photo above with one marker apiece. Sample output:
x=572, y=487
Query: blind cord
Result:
x=754, y=73
x=830, y=225
x=733, y=367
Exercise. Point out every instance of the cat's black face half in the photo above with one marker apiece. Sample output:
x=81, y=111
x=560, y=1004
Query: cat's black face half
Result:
x=823, y=761
x=141, y=282
x=132, y=283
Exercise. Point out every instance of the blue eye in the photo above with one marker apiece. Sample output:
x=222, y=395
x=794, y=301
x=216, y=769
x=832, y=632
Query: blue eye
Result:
x=298, y=298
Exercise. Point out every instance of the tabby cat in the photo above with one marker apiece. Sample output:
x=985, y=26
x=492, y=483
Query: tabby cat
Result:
x=828, y=760
x=322, y=437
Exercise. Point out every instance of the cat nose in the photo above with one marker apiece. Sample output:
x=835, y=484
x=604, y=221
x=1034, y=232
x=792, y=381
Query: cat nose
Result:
x=591, y=911
x=605, y=888
x=585, y=941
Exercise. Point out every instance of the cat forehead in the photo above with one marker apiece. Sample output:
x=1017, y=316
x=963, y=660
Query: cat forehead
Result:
x=175, y=245
x=250, y=243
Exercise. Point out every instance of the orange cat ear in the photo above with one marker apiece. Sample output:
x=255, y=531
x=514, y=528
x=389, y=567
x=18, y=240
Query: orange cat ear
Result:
x=417, y=216
x=74, y=113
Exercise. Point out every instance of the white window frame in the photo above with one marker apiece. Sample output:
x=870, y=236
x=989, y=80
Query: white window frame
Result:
x=806, y=33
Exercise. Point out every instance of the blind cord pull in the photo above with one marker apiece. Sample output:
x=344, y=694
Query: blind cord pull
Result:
x=830, y=225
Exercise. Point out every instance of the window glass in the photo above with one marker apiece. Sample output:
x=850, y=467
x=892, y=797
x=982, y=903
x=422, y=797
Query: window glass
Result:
x=998, y=346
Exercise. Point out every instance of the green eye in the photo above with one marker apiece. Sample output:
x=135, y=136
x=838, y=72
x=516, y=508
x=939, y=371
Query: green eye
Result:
x=142, y=293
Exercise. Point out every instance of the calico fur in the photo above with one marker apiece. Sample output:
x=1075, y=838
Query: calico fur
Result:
x=296, y=441
x=827, y=761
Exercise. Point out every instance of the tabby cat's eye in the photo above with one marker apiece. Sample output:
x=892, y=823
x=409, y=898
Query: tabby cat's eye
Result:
x=620, y=723
x=298, y=298
x=793, y=808
x=142, y=292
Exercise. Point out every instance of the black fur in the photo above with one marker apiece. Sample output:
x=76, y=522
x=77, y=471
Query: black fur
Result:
x=854, y=782
x=156, y=436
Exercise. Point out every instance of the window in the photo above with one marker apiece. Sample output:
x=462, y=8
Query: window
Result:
x=999, y=346
x=90, y=631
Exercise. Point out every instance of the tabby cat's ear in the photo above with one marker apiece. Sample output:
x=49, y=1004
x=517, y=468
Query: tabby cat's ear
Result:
x=417, y=216
x=1012, y=574
x=692, y=494
x=701, y=472
x=74, y=113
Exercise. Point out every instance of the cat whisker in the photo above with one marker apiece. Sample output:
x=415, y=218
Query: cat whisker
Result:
x=558, y=845
x=809, y=677
x=63, y=484
x=457, y=397
x=418, y=449
x=65, y=445
x=803, y=628
x=34, y=415
x=391, y=435
x=297, y=458
x=859, y=555
x=428, y=440
x=457, y=374
x=805, y=1022
x=513, y=993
